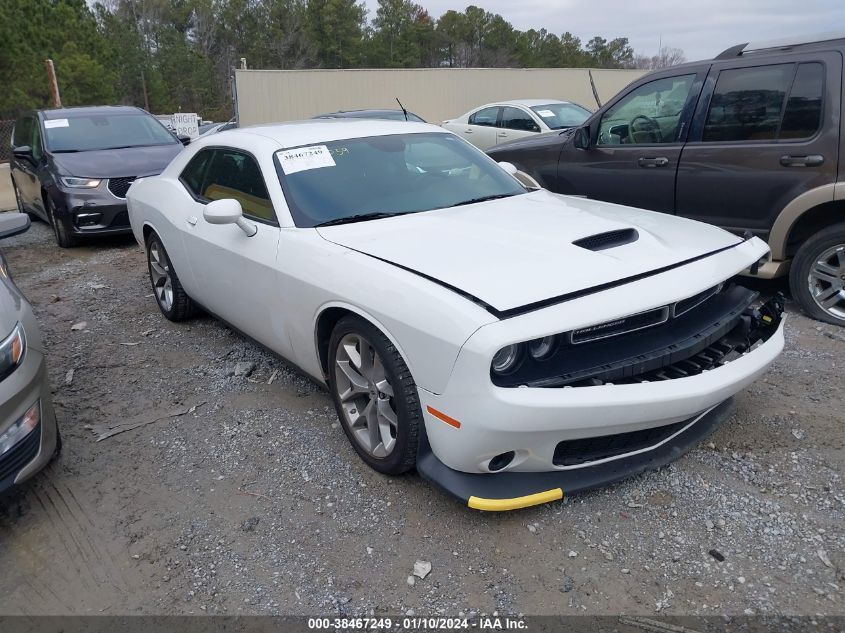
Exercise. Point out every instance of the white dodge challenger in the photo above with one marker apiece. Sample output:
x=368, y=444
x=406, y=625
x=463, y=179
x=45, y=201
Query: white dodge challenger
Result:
x=513, y=345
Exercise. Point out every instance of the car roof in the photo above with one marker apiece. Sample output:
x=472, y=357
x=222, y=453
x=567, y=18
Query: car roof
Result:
x=64, y=113
x=526, y=102
x=341, y=113
x=309, y=131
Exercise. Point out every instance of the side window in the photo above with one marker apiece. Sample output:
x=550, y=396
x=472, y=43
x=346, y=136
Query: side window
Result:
x=194, y=173
x=651, y=113
x=747, y=103
x=486, y=117
x=35, y=141
x=803, y=114
x=23, y=132
x=516, y=119
x=234, y=174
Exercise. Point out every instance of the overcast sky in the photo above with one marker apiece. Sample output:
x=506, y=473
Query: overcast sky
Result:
x=702, y=28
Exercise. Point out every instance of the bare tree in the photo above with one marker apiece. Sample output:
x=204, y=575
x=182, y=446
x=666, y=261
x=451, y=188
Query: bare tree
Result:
x=667, y=56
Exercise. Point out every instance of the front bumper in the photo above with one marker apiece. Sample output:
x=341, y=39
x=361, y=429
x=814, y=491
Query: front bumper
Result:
x=27, y=385
x=514, y=490
x=92, y=212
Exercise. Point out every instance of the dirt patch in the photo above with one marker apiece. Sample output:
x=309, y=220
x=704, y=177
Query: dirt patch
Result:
x=255, y=502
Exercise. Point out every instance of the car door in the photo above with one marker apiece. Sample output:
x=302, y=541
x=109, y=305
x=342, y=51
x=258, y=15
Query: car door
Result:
x=24, y=171
x=480, y=129
x=235, y=274
x=635, y=144
x=763, y=134
x=515, y=123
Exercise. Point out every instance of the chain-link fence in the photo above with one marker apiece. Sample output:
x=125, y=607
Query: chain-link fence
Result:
x=6, y=140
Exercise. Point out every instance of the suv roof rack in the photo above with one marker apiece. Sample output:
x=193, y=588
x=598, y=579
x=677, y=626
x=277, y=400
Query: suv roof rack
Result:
x=784, y=42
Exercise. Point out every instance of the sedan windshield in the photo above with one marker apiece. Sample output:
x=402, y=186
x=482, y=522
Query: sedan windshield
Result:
x=561, y=115
x=81, y=133
x=369, y=178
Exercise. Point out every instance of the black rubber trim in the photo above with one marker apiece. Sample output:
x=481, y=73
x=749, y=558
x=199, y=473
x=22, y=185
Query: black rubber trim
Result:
x=539, y=305
x=509, y=485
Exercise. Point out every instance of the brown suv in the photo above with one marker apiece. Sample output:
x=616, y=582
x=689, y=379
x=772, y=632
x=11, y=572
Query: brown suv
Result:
x=751, y=140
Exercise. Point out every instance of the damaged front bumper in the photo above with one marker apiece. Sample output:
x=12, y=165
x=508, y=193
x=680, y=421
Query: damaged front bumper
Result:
x=519, y=446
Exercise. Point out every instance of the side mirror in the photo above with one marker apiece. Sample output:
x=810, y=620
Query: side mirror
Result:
x=13, y=224
x=508, y=167
x=24, y=152
x=228, y=211
x=582, y=137
x=184, y=139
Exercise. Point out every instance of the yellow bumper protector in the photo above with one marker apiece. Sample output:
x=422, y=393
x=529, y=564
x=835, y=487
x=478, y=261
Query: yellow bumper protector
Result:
x=500, y=505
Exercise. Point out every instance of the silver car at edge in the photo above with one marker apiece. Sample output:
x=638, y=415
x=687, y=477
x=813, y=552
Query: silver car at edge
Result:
x=29, y=436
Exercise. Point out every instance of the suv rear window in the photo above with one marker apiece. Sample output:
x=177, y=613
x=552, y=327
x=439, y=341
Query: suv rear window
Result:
x=748, y=103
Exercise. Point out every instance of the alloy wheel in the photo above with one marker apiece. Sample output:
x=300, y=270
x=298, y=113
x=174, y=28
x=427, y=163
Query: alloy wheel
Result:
x=160, y=275
x=827, y=281
x=366, y=395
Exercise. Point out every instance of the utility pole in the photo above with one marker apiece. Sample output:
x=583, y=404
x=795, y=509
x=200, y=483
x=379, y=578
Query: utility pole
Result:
x=54, y=84
x=144, y=89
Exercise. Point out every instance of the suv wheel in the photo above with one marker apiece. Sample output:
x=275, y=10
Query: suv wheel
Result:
x=817, y=276
x=375, y=396
x=64, y=238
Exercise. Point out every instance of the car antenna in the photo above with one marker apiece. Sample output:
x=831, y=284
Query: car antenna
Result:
x=404, y=111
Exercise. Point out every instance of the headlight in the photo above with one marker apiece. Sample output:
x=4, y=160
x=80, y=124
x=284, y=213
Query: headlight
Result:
x=84, y=183
x=21, y=428
x=11, y=351
x=541, y=348
x=507, y=359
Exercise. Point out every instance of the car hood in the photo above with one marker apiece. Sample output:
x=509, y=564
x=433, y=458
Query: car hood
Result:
x=535, y=140
x=514, y=252
x=117, y=163
x=11, y=304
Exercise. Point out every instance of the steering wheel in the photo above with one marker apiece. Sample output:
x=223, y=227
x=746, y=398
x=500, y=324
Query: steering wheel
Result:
x=651, y=127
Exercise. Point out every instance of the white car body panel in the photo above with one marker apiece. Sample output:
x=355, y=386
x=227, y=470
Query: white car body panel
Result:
x=397, y=273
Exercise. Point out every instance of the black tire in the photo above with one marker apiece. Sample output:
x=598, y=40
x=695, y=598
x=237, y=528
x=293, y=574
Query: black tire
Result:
x=804, y=263
x=181, y=307
x=64, y=238
x=405, y=401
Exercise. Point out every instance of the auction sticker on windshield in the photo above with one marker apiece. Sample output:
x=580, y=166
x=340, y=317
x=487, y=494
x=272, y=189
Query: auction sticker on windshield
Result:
x=545, y=113
x=305, y=158
x=55, y=123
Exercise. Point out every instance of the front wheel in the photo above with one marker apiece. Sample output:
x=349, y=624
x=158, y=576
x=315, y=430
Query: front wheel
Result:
x=375, y=396
x=64, y=238
x=817, y=276
x=172, y=300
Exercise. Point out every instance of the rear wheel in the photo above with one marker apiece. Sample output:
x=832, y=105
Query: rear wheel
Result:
x=817, y=276
x=375, y=396
x=172, y=300
x=64, y=238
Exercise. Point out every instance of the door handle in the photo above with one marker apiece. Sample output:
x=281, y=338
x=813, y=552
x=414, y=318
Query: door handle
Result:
x=503, y=133
x=468, y=131
x=192, y=221
x=813, y=160
x=659, y=161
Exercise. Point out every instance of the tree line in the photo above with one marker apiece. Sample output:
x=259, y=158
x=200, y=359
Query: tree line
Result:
x=179, y=55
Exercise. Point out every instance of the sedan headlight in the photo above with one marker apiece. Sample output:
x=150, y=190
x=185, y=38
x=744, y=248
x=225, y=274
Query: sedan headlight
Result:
x=81, y=183
x=542, y=348
x=507, y=359
x=11, y=351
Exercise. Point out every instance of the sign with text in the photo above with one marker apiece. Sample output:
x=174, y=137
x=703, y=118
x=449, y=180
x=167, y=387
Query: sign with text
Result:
x=186, y=124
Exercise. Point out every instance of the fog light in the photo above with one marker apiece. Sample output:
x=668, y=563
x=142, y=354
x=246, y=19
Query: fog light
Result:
x=500, y=461
x=21, y=428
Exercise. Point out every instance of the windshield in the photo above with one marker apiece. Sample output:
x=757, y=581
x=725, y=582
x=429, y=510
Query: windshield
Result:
x=104, y=131
x=395, y=174
x=560, y=115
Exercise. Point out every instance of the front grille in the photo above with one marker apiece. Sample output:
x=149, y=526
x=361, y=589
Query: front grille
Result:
x=685, y=305
x=620, y=326
x=611, y=239
x=119, y=186
x=13, y=460
x=591, y=449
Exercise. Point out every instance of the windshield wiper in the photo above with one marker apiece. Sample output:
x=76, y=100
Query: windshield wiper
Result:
x=360, y=217
x=65, y=151
x=484, y=199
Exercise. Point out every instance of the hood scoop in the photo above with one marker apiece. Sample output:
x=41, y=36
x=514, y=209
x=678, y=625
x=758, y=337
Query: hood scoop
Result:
x=610, y=239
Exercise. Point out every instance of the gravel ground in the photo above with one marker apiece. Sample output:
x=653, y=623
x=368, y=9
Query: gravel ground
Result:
x=245, y=496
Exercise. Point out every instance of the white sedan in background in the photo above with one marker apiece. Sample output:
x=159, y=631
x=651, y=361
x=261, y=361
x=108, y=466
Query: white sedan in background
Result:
x=511, y=344
x=497, y=123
